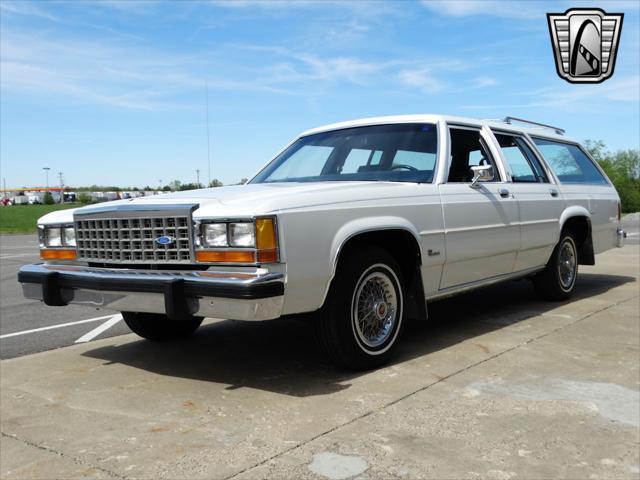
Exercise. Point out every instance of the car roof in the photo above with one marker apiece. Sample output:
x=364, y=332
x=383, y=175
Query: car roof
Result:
x=538, y=131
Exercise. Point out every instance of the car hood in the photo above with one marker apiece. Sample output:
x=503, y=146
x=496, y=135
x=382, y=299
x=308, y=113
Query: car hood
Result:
x=251, y=199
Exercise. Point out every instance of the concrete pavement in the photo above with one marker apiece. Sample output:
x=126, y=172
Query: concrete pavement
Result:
x=501, y=386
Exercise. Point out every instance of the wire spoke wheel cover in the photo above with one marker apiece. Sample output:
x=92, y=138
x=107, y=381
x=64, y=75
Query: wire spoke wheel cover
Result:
x=567, y=264
x=376, y=309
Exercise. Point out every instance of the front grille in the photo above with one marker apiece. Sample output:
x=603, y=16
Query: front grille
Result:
x=133, y=240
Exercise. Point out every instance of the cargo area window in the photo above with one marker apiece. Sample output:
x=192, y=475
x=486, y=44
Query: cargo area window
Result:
x=569, y=162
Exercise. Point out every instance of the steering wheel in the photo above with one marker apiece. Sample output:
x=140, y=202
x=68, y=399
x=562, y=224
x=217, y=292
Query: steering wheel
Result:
x=406, y=167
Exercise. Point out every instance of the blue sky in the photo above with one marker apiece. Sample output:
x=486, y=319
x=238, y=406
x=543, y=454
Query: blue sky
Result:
x=113, y=92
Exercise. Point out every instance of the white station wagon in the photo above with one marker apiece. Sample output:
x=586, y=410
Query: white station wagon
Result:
x=361, y=222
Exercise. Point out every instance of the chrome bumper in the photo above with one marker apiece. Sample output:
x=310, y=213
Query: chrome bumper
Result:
x=178, y=294
x=620, y=236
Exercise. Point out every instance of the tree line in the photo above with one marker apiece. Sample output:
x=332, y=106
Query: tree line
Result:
x=623, y=168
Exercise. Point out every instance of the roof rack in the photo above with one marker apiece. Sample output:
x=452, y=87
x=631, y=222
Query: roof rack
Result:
x=510, y=120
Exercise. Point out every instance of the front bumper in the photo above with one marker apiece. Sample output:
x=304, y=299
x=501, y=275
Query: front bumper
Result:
x=232, y=295
x=620, y=236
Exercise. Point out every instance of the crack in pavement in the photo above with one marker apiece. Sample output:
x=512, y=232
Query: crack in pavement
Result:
x=425, y=387
x=76, y=460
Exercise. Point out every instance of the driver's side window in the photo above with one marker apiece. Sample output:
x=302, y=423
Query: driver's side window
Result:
x=468, y=150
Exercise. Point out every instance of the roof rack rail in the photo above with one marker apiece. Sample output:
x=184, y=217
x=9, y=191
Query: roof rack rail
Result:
x=510, y=120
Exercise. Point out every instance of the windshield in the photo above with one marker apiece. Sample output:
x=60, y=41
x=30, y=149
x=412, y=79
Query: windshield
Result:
x=393, y=153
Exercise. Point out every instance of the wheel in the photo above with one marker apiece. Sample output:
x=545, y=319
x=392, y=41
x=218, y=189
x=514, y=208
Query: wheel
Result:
x=360, y=323
x=153, y=326
x=558, y=279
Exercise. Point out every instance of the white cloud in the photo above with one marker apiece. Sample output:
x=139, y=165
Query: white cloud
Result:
x=522, y=9
x=624, y=89
x=26, y=9
x=496, y=8
x=483, y=82
x=422, y=79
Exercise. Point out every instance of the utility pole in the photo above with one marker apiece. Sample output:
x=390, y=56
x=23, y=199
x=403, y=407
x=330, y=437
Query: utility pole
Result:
x=208, y=139
x=198, y=177
x=61, y=178
x=46, y=170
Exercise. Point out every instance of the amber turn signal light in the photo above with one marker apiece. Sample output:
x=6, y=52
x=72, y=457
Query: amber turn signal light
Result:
x=226, y=256
x=266, y=238
x=57, y=254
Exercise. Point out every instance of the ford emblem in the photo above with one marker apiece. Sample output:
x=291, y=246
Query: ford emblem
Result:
x=164, y=240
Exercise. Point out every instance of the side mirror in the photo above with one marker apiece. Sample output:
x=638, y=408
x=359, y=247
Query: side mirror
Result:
x=481, y=173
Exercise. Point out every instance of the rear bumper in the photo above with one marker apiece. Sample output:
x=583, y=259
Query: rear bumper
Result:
x=178, y=294
x=620, y=236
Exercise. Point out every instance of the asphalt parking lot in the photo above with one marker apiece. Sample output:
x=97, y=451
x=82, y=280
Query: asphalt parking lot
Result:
x=28, y=326
x=500, y=385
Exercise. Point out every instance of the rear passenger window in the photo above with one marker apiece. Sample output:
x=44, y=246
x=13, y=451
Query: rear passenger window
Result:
x=569, y=163
x=522, y=162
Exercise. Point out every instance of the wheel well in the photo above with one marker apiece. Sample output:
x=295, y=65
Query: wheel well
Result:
x=404, y=248
x=580, y=228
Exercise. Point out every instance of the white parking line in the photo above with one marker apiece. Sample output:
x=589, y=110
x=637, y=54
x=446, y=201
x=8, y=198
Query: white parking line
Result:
x=87, y=337
x=14, y=255
x=51, y=327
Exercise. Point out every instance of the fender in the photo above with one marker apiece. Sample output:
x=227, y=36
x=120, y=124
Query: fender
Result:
x=586, y=254
x=573, y=211
x=365, y=225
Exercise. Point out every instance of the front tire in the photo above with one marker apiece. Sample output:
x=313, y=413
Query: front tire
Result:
x=153, y=326
x=362, y=318
x=558, y=280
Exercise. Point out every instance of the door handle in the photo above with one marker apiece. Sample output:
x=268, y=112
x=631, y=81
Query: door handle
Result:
x=504, y=193
x=553, y=192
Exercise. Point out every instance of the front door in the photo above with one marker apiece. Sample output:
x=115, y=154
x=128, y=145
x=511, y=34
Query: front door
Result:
x=482, y=229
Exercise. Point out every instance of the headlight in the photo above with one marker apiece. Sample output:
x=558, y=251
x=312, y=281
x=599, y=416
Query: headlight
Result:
x=69, y=237
x=215, y=235
x=248, y=242
x=52, y=237
x=242, y=235
x=58, y=236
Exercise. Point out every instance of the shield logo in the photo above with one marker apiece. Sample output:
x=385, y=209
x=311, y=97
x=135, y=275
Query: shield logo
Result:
x=585, y=43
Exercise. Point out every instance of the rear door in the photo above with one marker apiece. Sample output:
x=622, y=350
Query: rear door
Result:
x=540, y=202
x=481, y=223
x=584, y=184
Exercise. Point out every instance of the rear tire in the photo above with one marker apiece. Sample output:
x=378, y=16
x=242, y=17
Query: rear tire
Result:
x=558, y=280
x=153, y=326
x=360, y=323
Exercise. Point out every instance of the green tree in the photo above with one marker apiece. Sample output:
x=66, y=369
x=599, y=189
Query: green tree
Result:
x=48, y=199
x=215, y=183
x=84, y=198
x=623, y=169
x=190, y=186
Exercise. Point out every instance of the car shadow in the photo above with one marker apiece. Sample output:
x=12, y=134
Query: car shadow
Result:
x=280, y=356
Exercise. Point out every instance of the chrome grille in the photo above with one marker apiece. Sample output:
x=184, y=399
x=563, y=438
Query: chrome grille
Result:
x=132, y=240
